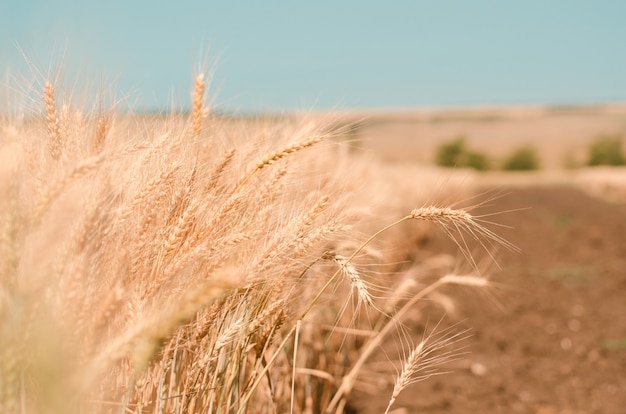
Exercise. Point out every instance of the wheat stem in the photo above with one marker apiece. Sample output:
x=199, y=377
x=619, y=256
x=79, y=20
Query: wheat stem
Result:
x=293, y=374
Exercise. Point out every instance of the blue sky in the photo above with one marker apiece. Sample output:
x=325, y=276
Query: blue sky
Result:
x=269, y=55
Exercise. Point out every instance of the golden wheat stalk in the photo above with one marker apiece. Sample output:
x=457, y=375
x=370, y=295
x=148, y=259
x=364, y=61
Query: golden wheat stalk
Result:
x=290, y=149
x=102, y=128
x=228, y=335
x=198, y=113
x=264, y=316
x=424, y=360
x=353, y=277
x=219, y=169
x=441, y=214
x=315, y=211
x=182, y=228
x=306, y=241
x=277, y=155
x=55, y=142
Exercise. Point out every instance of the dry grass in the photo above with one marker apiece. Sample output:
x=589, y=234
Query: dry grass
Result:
x=167, y=266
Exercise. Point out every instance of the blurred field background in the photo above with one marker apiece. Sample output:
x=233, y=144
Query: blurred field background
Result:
x=561, y=138
x=560, y=135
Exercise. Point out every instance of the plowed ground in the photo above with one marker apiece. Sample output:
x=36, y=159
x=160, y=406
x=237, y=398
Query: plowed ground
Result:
x=550, y=338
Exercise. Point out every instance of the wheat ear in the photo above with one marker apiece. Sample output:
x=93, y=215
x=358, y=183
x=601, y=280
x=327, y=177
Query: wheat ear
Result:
x=423, y=361
x=457, y=221
x=353, y=276
x=315, y=211
x=102, y=128
x=54, y=129
x=219, y=169
x=439, y=214
x=198, y=114
x=277, y=155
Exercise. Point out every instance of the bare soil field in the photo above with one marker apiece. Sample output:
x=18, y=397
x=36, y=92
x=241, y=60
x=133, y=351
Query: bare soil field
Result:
x=551, y=339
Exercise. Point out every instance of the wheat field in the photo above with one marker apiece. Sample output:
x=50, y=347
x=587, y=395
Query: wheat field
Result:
x=193, y=263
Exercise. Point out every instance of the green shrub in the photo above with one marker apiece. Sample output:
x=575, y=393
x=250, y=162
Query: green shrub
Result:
x=451, y=154
x=523, y=159
x=606, y=151
x=456, y=154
